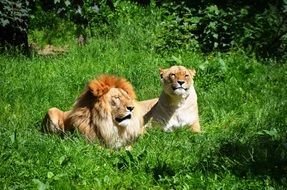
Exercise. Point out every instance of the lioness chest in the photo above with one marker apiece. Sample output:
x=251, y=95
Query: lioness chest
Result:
x=181, y=117
x=172, y=118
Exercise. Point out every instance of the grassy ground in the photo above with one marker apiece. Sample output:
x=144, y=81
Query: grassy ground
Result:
x=242, y=104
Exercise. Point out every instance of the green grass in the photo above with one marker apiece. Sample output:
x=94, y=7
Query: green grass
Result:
x=242, y=104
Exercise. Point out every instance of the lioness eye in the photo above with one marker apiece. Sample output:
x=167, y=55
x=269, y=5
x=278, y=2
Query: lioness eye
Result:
x=172, y=75
x=186, y=76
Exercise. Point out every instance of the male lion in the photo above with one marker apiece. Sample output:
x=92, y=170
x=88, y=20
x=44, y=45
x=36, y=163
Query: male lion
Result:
x=106, y=110
x=177, y=104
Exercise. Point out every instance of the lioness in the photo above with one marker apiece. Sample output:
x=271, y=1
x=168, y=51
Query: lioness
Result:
x=107, y=110
x=177, y=105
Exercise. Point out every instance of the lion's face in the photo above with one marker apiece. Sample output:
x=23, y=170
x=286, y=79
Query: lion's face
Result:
x=121, y=106
x=115, y=98
x=177, y=80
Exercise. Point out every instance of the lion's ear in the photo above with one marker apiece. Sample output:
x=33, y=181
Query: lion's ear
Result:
x=97, y=88
x=192, y=72
x=126, y=86
x=161, y=72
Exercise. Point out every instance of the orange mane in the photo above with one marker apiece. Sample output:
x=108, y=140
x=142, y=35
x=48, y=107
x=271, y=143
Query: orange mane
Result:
x=104, y=83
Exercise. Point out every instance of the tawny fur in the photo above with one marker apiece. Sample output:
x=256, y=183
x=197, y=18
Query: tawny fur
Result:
x=96, y=111
x=177, y=105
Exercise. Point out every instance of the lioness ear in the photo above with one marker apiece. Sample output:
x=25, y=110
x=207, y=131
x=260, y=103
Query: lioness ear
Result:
x=161, y=72
x=97, y=88
x=192, y=72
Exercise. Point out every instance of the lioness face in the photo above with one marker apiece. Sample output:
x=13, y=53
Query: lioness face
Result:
x=177, y=80
x=121, y=105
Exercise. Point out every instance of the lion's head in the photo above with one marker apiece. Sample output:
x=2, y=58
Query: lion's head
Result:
x=115, y=99
x=112, y=111
x=177, y=80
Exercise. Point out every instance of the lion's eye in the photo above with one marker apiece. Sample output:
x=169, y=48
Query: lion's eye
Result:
x=113, y=103
x=115, y=100
x=186, y=76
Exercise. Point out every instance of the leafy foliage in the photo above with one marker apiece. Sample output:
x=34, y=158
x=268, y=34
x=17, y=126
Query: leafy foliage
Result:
x=14, y=13
x=14, y=23
x=217, y=27
x=67, y=16
x=266, y=34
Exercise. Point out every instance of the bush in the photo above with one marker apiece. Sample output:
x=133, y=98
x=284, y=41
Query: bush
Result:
x=14, y=24
x=76, y=17
x=48, y=27
x=266, y=33
x=222, y=27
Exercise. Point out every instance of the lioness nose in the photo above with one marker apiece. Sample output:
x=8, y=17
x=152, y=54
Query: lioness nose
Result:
x=130, y=108
x=180, y=82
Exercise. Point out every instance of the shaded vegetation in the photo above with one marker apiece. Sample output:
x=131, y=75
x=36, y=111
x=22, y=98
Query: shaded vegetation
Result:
x=219, y=25
x=204, y=26
x=14, y=17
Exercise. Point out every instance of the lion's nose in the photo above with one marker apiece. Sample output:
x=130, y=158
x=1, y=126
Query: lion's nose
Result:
x=130, y=108
x=180, y=82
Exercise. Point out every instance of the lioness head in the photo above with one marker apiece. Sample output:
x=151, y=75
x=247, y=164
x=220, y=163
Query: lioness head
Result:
x=177, y=80
x=115, y=99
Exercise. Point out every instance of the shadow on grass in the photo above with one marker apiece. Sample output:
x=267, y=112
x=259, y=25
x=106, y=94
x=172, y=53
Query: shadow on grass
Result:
x=260, y=159
x=265, y=154
x=159, y=170
x=162, y=170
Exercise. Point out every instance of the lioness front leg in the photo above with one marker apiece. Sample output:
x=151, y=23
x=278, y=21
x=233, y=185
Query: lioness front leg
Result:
x=195, y=127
